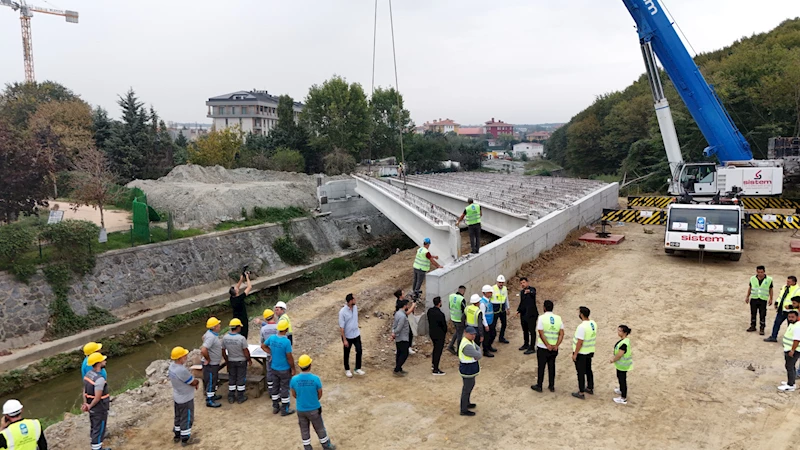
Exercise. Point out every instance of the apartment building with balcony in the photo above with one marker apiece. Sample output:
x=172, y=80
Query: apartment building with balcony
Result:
x=253, y=111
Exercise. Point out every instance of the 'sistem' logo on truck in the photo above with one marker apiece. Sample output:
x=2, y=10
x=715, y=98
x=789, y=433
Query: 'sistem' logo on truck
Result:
x=651, y=6
x=697, y=238
x=756, y=181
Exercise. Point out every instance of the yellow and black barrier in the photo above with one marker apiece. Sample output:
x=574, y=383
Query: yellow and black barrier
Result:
x=772, y=221
x=635, y=216
x=752, y=203
x=650, y=201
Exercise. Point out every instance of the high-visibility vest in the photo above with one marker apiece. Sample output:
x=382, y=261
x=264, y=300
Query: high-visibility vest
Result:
x=285, y=318
x=421, y=261
x=472, y=312
x=468, y=366
x=787, y=302
x=23, y=435
x=552, y=327
x=489, y=314
x=499, y=296
x=455, y=307
x=589, y=337
x=625, y=363
x=473, y=214
x=760, y=291
x=788, y=338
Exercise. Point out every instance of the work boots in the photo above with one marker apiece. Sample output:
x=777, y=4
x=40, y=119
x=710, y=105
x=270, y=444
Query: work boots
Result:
x=242, y=397
x=329, y=446
x=276, y=406
x=231, y=396
x=286, y=410
x=211, y=403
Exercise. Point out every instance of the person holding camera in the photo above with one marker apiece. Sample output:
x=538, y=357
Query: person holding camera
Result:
x=238, y=297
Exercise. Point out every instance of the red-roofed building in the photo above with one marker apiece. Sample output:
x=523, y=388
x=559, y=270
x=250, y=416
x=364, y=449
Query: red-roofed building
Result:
x=475, y=132
x=442, y=126
x=496, y=128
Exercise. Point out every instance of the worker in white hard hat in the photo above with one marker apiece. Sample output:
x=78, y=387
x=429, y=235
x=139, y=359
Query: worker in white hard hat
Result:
x=280, y=311
x=488, y=317
x=19, y=433
x=500, y=306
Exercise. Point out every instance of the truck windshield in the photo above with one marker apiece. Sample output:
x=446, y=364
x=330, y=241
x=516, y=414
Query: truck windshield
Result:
x=704, y=220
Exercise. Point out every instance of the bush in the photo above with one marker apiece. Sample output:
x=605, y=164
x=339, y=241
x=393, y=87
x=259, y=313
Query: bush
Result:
x=290, y=252
x=15, y=240
x=72, y=243
x=287, y=160
x=339, y=162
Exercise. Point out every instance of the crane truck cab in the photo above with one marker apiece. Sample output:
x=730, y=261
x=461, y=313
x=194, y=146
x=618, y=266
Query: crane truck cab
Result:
x=708, y=228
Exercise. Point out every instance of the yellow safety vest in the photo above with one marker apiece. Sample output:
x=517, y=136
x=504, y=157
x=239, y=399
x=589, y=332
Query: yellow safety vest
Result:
x=288, y=320
x=455, y=307
x=472, y=312
x=552, y=327
x=625, y=363
x=473, y=214
x=469, y=367
x=788, y=337
x=499, y=295
x=787, y=303
x=760, y=291
x=421, y=261
x=589, y=337
x=23, y=435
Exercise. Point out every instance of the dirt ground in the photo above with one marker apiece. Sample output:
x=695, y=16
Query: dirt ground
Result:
x=690, y=387
x=116, y=220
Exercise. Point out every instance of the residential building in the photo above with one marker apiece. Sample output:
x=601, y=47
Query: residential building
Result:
x=253, y=111
x=496, y=128
x=474, y=132
x=539, y=136
x=531, y=149
x=191, y=131
x=442, y=126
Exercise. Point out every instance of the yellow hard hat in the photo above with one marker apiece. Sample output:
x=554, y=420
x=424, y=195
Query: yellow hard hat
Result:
x=304, y=361
x=212, y=322
x=235, y=323
x=268, y=313
x=95, y=358
x=178, y=353
x=91, y=347
x=283, y=325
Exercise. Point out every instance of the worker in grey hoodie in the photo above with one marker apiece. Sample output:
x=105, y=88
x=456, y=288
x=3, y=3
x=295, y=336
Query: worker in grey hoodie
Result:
x=400, y=333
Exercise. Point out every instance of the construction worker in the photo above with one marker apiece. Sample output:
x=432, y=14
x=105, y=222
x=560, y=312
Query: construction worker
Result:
x=623, y=361
x=473, y=214
x=500, y=305
x=422, y=264
x=307, y=391
x=280, y=311
x=212, y=358
x=238, y=301
x=457, y=304
x=469, y=353
x=269, y=327
x=237, y=358
x=351, y=334
x=783, y=306
x=183, y=387
x=18, y=433
x=474, y=317
x=88, y=349
x=401, y=331
x=279, y=347
x=96, y=401
x=550, y=333
x=790, y=354
x=528, y=314
x=583, y=344
x=758, y=293
x=399, y=299
x=488, y=316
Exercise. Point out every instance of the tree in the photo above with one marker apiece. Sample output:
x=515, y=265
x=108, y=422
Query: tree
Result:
x=181, y=149
x=19, y=101
x=126, y=156
x=389, y=119
x=426, y=152
x=104, y=129
x=217, y=148
x=25, y=183
x=95, y=184
x=256, y=151
x=286, y=160
x=339, y=162
x=337, y=115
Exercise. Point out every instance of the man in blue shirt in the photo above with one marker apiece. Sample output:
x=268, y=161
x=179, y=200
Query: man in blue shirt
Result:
x=307, y=390
x=88, y=349
x=279, y=348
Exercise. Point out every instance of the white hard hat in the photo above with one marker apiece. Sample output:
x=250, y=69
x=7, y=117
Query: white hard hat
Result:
x=475, y=298
x=12, y=408
x=487, y=288
x=280, y=305
x=501, y=279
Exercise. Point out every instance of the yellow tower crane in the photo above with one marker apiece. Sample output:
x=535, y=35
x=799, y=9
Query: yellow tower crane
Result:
x=25, y=13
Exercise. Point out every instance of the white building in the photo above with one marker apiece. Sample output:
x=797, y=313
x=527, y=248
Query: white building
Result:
x=532, y=149
x=253, y=111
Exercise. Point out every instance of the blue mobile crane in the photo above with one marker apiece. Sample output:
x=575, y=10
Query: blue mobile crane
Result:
x=738, y=173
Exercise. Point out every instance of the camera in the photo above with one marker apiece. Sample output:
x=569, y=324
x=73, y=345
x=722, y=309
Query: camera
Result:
x=244, y=270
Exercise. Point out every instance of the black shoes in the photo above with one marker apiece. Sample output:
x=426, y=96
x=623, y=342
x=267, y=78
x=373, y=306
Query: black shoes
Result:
x=504, y=341
x=751, y=329
x=286, y=411
x=472, y=406
x=488, y=354
x=242, y=398
x=551, y=389
x=492, y=349
x=276, y=406
x=231, y=398
x=524, y=347
x=212, y=404
x=530, y=351
x=536, y=388
x=579, y=395
x=589, y=391
x=770, y=339
x=452, y=350
x=467, y=413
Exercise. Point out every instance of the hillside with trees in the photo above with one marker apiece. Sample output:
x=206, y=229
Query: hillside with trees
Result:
x=757, y=78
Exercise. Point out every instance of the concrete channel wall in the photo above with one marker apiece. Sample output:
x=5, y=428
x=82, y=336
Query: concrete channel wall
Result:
x=507, y=255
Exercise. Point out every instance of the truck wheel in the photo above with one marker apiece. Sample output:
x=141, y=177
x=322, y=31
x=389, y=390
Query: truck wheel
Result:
x=669, y=251
x=736, y=256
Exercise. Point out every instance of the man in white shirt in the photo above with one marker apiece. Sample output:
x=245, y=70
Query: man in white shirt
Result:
x=550, y=333
x=351, y=335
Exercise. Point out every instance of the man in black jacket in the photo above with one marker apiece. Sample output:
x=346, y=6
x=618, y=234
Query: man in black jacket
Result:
x=528, y=314
x=437, y=328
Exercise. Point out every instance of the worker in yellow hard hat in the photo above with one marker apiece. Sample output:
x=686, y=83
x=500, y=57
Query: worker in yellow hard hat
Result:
x=237, y=358
x=269, y=327
x=183, y=387
x=96, y=399
x=279, y=348
x=212, y=360
x=88, y=349
x=307, y=391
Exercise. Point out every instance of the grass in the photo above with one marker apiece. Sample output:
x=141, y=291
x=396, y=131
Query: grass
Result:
x=541, y=167
x=130, y=384
x=261, y=216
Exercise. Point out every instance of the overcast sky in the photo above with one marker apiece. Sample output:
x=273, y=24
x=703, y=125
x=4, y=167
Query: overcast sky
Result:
x=522, y=61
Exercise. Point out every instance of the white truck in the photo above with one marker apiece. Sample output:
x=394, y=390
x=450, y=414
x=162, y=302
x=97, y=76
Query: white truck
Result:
x=708, y=228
